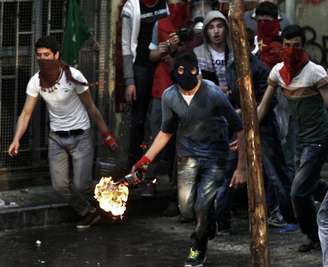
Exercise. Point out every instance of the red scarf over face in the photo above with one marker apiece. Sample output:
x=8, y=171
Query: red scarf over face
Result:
x=49, y=73
x=294, y=60
x=268, y=30
x=179, y=14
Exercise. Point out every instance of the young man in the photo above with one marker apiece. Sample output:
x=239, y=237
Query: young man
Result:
x=250, y=17
x=198, y=113
x=138, y=19
x=69, y=102
x=305, y=84
x=216, y=64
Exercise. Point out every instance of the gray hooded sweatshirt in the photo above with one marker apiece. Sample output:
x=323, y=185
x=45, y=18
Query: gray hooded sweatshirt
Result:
x=203, y=53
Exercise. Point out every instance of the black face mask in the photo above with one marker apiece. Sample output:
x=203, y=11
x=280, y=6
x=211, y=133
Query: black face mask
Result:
x=186, y=76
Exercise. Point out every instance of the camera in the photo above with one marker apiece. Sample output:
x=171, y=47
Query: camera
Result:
x=185, y=34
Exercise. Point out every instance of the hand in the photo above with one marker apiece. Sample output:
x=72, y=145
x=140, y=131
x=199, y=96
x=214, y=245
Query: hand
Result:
x=226, y=90
x=238, y=178
x=141, y=165
x=163, y=48
x=174, y=41
x=109, y=141
x=234, y=145
x=131, y=93
x=13, y=149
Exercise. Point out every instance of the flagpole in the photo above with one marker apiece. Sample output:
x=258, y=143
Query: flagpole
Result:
x=255, y=185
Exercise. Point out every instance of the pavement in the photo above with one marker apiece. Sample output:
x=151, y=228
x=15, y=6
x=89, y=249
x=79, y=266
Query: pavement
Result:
x=37, y=229
x=142, y=241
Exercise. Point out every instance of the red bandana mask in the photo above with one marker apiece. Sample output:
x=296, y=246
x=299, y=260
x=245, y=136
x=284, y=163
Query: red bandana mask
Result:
x=268, y=30
x=294, y=61
x=49, y=72
x=178, y=14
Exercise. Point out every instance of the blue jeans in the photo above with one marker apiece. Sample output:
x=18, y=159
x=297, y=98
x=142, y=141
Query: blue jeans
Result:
x=77, y=190
x=224, y=195
x=307, y=177
x=276, y=174
x=198, y=182
x=322, y=219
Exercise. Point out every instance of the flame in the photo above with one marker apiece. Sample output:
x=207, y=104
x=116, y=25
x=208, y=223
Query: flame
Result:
x=112, y=196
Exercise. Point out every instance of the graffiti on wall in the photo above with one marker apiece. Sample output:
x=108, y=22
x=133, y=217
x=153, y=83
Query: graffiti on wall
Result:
x=318, y=50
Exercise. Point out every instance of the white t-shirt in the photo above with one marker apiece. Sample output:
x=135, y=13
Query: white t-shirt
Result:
x=218, y=61
x=306, y=83
x=187, y=98
x=66, y=111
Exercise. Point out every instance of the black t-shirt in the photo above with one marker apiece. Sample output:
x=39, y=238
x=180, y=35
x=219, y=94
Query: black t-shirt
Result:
x=149, y=15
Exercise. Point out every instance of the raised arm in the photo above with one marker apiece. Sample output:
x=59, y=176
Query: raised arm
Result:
x=22, y=124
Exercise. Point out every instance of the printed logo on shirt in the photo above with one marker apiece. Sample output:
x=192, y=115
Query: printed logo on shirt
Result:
x=218, y=62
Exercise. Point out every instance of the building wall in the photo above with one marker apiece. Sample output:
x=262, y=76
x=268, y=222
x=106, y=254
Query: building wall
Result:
x=314, y=15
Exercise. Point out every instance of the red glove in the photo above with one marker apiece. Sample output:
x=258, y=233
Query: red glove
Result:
x=141, y=165
x=109, y=140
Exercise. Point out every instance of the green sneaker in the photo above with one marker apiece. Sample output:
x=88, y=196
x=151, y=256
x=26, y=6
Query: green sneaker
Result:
x=196, y=258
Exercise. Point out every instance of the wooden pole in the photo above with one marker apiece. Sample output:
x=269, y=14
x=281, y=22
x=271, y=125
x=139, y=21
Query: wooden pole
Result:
x=255, y=185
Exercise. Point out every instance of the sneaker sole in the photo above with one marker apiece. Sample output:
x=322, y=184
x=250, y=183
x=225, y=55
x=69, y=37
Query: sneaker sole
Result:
x=83, y=227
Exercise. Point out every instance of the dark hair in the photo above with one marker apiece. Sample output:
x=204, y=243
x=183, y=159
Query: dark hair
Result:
x=267, y=9
x=292, y=31
x=185, y=57
x=49, y=42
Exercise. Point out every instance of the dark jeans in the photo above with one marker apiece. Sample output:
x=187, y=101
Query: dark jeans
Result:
x=224, y=195
x=143, y=78
x=275, y=172
x=198, y=182
x=305, y=183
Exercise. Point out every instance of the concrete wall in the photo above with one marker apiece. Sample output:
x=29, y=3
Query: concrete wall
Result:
x=314, y=13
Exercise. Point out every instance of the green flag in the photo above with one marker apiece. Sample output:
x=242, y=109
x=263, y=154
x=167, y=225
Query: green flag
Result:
x=76, y=33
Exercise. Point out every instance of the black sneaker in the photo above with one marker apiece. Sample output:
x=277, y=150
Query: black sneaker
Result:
x=196, y=258
x=309, y=245
x=90, y=219
x=276, y=220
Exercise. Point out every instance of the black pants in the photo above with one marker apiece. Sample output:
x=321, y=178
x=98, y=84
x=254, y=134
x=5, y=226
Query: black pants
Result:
x=143, y=77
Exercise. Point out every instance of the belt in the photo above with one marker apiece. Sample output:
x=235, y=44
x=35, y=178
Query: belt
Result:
x=69, y=133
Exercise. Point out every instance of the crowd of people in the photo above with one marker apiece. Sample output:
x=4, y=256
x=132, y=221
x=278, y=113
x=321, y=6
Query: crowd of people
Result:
x=180, y=77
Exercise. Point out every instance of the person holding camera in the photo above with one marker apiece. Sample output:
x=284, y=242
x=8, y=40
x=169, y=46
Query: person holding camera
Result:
x=138, y=19
x=166, y=41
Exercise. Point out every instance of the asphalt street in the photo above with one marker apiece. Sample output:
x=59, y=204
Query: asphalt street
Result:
x=144, y=241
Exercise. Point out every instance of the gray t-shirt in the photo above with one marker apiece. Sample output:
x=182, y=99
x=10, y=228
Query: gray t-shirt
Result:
x=202, y=126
